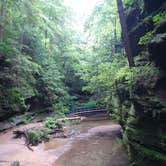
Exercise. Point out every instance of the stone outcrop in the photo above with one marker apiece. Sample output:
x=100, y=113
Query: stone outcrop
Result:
x=141, y=108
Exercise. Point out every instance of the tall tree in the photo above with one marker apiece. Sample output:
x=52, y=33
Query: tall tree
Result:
x=125, y=33
x=2, y=24
x=36, y=39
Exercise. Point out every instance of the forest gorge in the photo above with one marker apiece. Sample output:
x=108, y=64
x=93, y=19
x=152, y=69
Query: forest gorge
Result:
x=48, y=67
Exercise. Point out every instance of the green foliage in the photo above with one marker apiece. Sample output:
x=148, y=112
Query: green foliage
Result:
x=34, y=137
x=129, y=1
x=52, y=124
x=101, y=80
x=30, y=119
x=146, y=38
x=138, y=74
x=158, y=18
x=91, y=103
x=133, y=77
x=104, y=53
x=104, y=30
x=38, y=57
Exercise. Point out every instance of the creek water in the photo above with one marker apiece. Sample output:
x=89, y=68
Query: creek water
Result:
x=91, y=143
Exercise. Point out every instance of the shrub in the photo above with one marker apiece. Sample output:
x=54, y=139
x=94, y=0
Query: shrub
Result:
x=158, y=18
x=52, y=124
x=146, y=38
x=91, y=103
x=133, y=77
x=34, y=137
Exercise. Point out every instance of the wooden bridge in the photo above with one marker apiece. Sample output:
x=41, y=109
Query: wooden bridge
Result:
x=89, y=112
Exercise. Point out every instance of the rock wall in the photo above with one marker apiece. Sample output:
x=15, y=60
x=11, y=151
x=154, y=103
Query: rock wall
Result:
x=141, y=108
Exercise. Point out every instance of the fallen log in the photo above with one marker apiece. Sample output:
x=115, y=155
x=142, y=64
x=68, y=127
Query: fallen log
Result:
x=57, y=133
x=19, y=134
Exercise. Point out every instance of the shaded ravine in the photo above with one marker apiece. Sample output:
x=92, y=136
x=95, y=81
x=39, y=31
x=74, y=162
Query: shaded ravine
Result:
x=91, y=143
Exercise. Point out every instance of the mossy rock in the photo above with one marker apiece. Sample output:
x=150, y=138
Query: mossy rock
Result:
x=139, y=30
x=149, y=139
x=156, y=49
x=143, y=156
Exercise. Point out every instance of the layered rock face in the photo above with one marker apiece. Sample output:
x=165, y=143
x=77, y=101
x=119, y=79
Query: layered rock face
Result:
x=141, y=108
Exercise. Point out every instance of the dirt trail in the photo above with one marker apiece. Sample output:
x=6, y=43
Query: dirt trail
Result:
x=90, y=143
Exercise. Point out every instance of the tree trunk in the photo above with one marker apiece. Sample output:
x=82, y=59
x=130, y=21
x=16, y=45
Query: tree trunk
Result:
x=125, y=33
x=115, y=36
x=2, y=24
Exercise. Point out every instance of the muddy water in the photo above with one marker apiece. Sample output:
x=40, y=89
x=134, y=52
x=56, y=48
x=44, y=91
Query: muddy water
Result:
x=91, y=143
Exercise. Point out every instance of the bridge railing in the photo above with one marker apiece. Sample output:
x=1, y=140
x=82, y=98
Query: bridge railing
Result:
x=83, y=109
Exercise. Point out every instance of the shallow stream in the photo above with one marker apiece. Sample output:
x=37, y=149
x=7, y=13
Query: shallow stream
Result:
x=92, y=143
